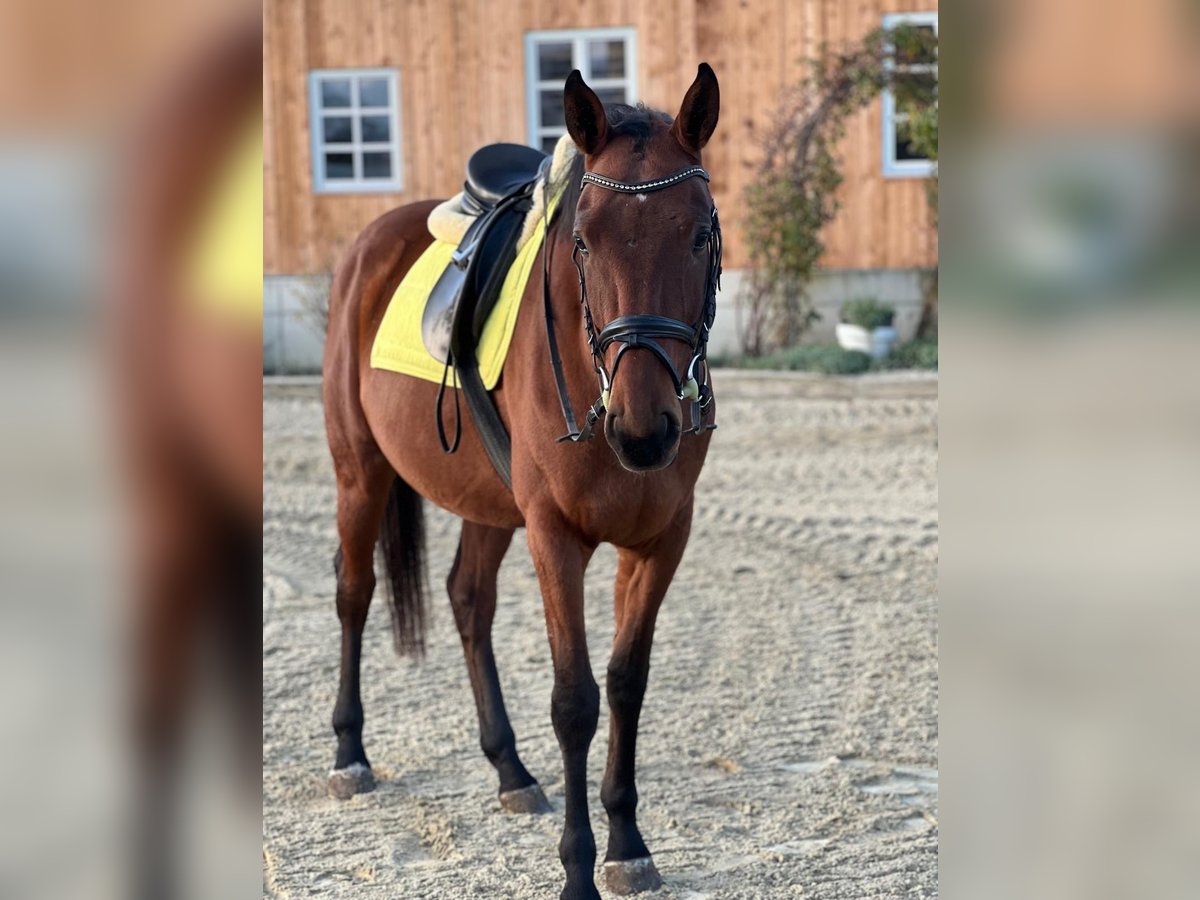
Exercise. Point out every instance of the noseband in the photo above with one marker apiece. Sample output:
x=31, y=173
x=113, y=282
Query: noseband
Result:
x=640, y=331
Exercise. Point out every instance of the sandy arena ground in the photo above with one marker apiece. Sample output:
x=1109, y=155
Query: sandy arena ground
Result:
x=789, y=739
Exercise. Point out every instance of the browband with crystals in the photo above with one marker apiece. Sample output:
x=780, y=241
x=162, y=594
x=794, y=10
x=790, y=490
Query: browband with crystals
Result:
x=642, y=186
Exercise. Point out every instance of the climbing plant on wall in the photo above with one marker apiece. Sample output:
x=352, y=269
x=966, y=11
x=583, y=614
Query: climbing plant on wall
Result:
x=794, y=194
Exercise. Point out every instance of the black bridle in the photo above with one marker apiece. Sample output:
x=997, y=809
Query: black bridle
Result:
x=638, y=331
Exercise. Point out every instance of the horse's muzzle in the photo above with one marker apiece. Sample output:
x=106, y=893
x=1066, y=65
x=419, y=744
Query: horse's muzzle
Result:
x=644, y=452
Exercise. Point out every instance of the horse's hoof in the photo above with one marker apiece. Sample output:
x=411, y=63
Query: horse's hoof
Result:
x=354, y=779
x=525, y=800
x=632, y=876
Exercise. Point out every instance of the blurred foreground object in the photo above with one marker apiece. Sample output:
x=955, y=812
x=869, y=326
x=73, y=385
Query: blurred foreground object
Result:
x=1070, y=482
x=130, y=463
x=189, y=358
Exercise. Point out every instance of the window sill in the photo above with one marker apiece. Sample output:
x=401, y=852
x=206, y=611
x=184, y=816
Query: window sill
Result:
x=908, y=170
x=384, y=187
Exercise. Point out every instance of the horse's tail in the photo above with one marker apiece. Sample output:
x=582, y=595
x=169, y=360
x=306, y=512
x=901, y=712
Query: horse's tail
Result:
x=402, y=542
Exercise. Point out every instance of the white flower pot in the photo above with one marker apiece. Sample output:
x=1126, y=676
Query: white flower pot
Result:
x=853, y=337
x=877, y=343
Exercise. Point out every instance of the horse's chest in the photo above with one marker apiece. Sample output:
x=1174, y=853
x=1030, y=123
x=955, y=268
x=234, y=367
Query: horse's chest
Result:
x=626, y=512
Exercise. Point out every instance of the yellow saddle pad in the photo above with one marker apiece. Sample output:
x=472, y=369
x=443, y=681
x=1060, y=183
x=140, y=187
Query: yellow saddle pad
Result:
x=398, y=345
x=223, y=265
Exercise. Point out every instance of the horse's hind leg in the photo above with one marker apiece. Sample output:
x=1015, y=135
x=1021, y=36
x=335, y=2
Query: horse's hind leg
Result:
x=362, y=493
x=472, y=589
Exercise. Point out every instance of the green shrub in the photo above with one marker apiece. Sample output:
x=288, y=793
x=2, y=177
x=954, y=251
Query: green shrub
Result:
x=921, y=353
x=831, y=359
x=868, y=313
x=827, y=358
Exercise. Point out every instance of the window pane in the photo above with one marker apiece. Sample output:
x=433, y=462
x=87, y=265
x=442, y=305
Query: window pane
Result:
x=377, y=165
x=554, y=61
x=904, y=148
x=372, y=92
x=548, y=144
x=338, y=165
x=552, y=108
x=376, y=128
x=611, y=95
x=337, y=129
x=607, y=59
x=335, y=92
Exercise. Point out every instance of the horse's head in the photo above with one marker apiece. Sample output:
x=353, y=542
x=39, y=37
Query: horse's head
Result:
x=643, y=254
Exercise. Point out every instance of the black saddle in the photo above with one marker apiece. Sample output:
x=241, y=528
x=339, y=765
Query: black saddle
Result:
x=495, y=171
x=498, y=192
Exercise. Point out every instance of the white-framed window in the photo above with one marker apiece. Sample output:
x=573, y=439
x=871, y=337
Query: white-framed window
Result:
x=607, y=59
x=354, y=119
x=900, y=160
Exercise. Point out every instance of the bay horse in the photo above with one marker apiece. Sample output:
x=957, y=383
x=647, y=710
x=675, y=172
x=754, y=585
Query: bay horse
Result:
x=635, y=238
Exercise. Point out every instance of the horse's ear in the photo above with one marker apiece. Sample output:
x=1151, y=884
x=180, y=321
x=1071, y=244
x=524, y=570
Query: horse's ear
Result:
x=697, y=118
x=586, y=121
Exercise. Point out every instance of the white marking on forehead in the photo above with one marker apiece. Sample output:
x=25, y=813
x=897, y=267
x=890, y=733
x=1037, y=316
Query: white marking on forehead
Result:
x=641, y=198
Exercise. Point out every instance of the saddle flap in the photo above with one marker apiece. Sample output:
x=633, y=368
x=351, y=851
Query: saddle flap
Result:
x=472, y=280
x=437, y=320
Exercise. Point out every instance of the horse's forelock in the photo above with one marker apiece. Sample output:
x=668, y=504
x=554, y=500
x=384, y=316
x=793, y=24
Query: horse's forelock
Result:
x=638, y=122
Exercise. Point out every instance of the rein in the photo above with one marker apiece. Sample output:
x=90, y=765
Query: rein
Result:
x=637, y=331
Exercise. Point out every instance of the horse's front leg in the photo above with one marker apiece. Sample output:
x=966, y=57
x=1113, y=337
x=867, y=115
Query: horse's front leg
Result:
x=643, y=577
x=560, y=559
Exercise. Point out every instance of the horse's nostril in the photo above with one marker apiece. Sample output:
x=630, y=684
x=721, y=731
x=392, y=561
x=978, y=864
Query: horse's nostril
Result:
x=669, y=427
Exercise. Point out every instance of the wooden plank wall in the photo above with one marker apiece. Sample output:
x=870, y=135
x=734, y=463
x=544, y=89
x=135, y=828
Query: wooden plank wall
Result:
x=462, y=84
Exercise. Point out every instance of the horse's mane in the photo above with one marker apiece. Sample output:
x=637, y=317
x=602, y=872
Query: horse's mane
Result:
x=636, y=122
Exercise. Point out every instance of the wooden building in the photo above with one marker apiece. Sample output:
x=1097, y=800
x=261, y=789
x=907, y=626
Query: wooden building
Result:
x=370, y=104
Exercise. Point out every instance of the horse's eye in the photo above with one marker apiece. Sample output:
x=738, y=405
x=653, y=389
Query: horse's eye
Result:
x=701, y=240
x=580, y=245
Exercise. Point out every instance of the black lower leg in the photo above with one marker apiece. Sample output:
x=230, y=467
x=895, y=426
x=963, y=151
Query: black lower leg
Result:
x=348, y=713
x=575, y=708
x=496, y=736
x=627, y=674
x=353, y=600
